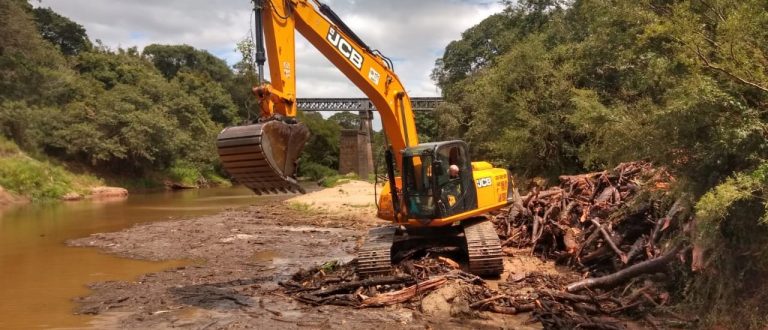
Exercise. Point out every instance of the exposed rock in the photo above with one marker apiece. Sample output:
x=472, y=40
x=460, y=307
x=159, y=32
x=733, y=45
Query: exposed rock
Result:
x=108, y=192
x=448, y=300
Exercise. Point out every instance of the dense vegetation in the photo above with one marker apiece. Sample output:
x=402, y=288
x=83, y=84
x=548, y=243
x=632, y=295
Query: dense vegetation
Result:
x=550, y=87
x=112, y=110
x=135, y=117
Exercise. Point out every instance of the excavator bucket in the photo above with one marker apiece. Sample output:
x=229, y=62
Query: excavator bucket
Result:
x=263, y=156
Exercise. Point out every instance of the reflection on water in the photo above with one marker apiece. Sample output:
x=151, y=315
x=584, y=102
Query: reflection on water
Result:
x=39, y=275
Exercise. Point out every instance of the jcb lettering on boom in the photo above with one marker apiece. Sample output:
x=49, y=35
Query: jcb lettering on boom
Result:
x=345, y=48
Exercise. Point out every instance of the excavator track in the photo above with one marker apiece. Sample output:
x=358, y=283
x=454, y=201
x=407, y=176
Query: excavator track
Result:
x=375, y=256
x=483, y=248
x=263, y=156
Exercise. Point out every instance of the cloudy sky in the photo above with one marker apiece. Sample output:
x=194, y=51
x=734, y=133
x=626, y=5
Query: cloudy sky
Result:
x=411, y=33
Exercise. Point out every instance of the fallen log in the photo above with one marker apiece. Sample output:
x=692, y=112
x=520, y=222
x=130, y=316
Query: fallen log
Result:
x=636, y=248
x=348, y=286
x=558, y=295
x=608, y=239
x=449, y=262
x=609, y=281
x=539, y=195
x=678, y=206
x=486, y=300
x=512, y=310
x=391, y=298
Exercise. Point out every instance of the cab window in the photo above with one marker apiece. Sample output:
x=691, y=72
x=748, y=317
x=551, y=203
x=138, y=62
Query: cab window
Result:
x=417, y=184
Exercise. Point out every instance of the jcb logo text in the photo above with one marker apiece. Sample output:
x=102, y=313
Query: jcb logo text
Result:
x=345, y=48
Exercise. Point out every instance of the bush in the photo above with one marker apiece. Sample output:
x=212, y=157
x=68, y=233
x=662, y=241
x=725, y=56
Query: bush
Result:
x=8, y=148
x=214, y=178
x=185, y=174
x=315, y=171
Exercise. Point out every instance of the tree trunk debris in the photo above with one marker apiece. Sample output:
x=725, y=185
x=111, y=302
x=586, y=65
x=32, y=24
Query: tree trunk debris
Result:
x=615, y=227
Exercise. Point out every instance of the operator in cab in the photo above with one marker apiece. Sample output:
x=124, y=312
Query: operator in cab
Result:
x=452, y=189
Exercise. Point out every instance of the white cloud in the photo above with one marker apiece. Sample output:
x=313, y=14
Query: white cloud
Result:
x=412, y=33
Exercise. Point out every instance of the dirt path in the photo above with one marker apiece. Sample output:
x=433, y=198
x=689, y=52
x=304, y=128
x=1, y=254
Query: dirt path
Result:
x=236, y=259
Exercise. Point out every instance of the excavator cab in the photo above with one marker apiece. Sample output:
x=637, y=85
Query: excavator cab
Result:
x=437, y=180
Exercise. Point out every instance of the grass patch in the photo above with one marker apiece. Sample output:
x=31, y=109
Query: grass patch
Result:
x=215, y=179
x=361, y=206
x=300, y=207
x=191, y=175
x=335, y=180
x=185, y=174
x=38, y=180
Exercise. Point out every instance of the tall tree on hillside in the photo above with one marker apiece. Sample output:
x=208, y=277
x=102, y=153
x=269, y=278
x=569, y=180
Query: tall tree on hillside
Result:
x=69, y=36
x=24, y=55
x=211, y=95
x=170, y=59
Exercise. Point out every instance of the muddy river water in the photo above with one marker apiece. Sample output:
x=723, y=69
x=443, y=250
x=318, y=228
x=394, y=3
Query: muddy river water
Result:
x=40, y=275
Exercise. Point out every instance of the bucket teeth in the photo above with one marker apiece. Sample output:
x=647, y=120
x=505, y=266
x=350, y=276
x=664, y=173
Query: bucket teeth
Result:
x=263, y=156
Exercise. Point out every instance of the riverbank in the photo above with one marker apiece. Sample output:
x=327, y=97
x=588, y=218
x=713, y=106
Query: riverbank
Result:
x=7, y=198
x=26, y=179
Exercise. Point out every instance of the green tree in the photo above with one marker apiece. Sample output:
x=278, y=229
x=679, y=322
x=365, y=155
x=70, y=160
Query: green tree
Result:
x=210, y=94
x=170, y=59
x=67, y=35
x=323, y=147
x=426, y=126
x=347, y=120
x=26, y=60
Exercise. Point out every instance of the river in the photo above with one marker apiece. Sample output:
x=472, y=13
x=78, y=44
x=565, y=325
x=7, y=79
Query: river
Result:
x=40, y=275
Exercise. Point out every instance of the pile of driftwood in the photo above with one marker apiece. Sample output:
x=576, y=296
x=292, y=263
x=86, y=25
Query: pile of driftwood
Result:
x=542, y=296
x=336, y=284
x=620, y=229
x=609, y=222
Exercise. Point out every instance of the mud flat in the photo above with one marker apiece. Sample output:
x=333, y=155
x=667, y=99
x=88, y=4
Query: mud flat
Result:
x=236, y=260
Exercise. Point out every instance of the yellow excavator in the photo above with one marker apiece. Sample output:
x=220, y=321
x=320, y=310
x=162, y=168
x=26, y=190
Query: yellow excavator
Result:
x=435, y=195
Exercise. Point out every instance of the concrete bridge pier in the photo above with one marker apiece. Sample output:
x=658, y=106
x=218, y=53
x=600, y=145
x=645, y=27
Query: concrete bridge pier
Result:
x=355, y=155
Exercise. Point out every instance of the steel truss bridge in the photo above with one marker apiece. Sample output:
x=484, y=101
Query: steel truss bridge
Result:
x=360, y=104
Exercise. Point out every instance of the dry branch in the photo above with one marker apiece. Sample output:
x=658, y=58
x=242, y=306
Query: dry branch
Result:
x=621, y=276
x=391, y=298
